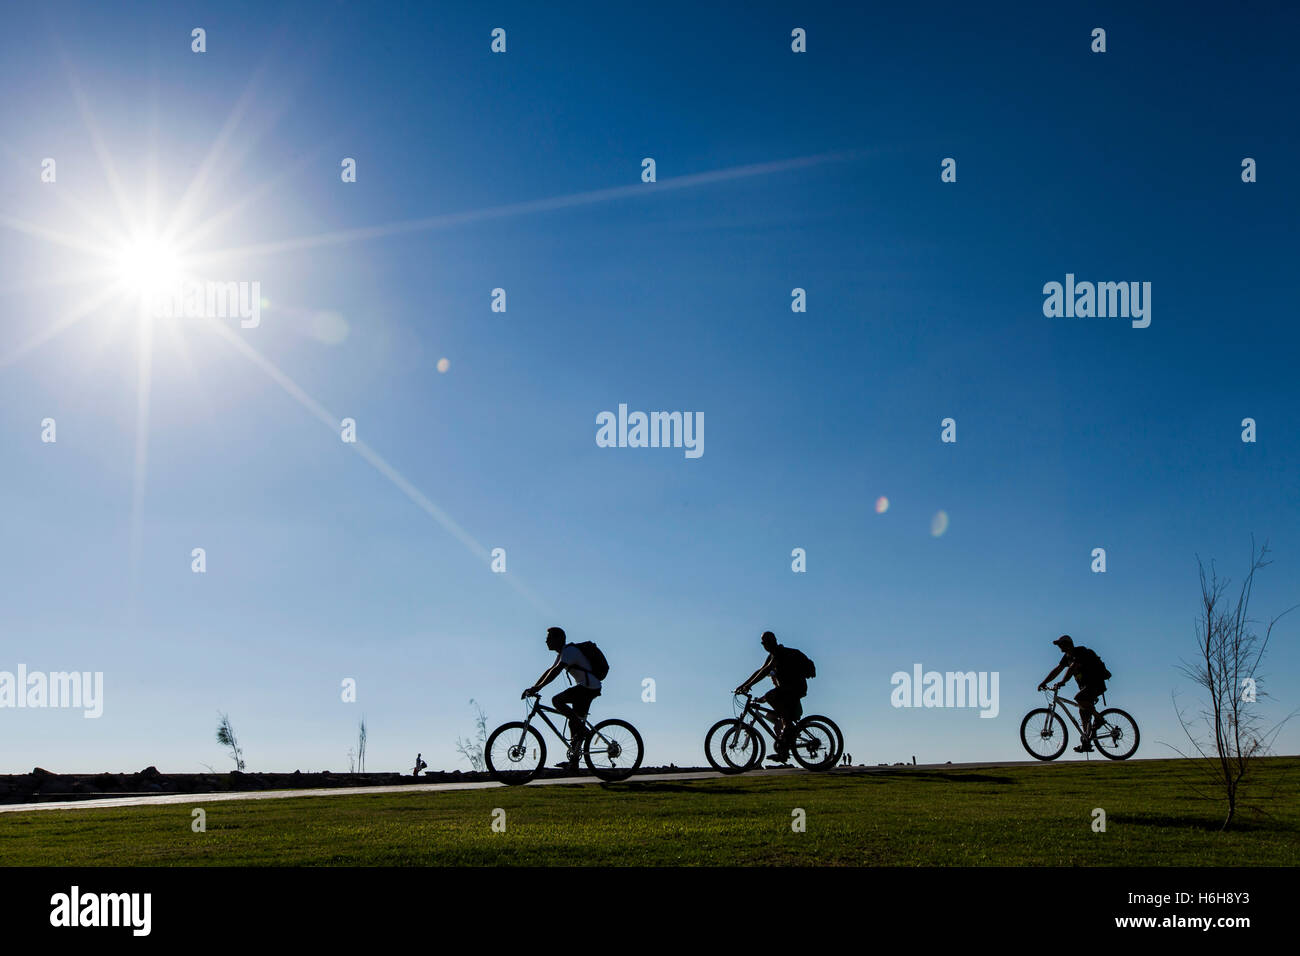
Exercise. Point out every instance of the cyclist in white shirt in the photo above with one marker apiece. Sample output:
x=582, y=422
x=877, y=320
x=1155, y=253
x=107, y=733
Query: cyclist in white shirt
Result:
x=574, y=702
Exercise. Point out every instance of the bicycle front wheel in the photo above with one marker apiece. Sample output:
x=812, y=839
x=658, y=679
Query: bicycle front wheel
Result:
x=732, y=746
x=1043, y=733
x=1116, y=736
x=815, y=744
x=613, y=750
x=514, y=753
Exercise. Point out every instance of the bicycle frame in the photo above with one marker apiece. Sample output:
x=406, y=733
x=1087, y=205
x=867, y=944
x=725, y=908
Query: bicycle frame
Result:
x=541, y=710
x=759, y=714
x=755, y=714
x=1063, y=701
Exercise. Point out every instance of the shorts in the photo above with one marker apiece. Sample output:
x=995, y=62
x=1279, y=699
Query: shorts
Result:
x=576, y=699
x=787, y=702
x=1088, y=693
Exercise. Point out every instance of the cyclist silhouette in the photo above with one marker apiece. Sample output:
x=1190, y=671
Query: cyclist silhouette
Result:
x=574, y=702
x=785, y=698
x=1083, y=664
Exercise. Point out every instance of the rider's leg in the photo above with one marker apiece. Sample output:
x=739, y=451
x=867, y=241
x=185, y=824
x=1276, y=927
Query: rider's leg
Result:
x=562, y=700
x=566, y=702
x=776, y=700
x=1087, y=701
x=788, y=711
x=1094, y=693
x=793, y=711
x=778, y=725
x=1088, y=711
x=578, y=721
x=574, y=703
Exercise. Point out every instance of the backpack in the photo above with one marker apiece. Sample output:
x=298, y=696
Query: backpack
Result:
x=799, y=663
x=599, y=666
x=1090, y=663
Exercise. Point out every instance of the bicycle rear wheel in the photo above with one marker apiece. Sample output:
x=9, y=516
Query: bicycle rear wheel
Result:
x=514, y=753
x=1117, y=736
x=1043, y=733
x=839, y=735
x=815, y=744
x=613, y=750
x=732, y=746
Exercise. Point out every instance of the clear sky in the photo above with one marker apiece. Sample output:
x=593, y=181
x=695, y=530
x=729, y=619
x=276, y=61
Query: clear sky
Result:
x=522, y=171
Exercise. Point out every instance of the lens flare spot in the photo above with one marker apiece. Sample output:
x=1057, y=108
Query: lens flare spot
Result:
x=939, y=523
x=882, y=505
x=329, y=328
x=443, y=365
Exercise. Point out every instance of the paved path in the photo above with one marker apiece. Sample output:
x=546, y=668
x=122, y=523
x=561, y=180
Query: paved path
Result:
x=171, y=799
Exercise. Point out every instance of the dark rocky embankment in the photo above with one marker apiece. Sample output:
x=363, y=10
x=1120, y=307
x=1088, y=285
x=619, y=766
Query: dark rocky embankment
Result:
x=41, y=786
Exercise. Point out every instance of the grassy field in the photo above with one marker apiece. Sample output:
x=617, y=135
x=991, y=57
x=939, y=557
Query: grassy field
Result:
x=1040, y=815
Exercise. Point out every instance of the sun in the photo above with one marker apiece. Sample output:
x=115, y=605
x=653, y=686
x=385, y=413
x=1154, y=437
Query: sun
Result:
x=147, y=265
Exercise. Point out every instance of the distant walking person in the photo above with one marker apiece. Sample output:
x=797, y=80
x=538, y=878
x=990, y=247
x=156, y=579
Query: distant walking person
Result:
x=1088, y=670
x=419, y=765
x=789, y=669
x=574, y=702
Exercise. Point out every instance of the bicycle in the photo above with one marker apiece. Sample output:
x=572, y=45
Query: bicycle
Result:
x=516, y=751
x=735, y=745
x=1043, y=727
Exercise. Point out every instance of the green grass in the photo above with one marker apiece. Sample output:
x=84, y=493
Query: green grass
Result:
x=1040, y=815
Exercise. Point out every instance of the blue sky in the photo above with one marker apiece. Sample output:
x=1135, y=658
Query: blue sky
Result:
x=924, y=302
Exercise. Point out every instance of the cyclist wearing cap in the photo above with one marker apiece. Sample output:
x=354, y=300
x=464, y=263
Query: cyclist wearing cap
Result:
x=574, y=702
x=1086, y=668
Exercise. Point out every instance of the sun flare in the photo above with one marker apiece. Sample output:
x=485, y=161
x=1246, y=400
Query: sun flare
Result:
x=147, y=265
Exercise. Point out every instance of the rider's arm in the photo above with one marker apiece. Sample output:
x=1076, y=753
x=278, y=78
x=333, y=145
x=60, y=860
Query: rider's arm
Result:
x=758, y=675
x=548, y=675
x=1055, y=670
